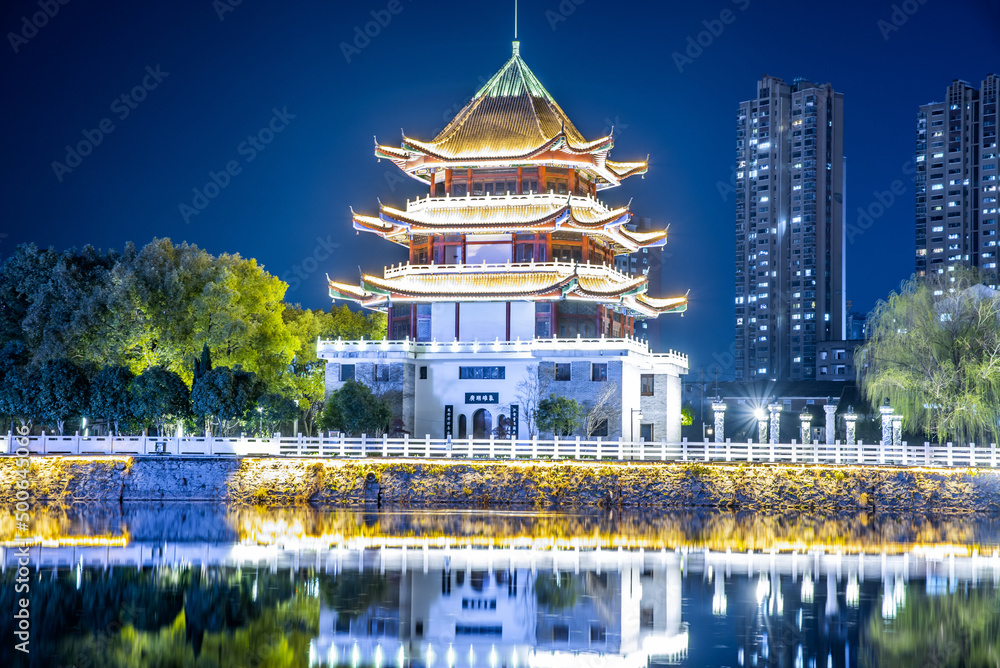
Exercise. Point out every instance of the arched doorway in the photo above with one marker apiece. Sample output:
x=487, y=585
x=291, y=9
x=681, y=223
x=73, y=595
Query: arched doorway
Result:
x=463, y=431
x=482, y=423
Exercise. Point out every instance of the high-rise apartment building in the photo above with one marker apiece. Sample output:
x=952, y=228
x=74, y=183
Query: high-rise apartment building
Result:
x=957, y=178
x=789, y=228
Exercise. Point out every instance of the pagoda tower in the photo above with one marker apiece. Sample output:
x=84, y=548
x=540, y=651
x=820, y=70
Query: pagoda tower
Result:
x=511, y=241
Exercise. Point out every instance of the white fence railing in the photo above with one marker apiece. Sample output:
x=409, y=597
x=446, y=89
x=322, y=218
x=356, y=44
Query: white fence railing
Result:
x=573, y=448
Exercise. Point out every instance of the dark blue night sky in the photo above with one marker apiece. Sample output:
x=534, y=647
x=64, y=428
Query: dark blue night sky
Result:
x=226, y=69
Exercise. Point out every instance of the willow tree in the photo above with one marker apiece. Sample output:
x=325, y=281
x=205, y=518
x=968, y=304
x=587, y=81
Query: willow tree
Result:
x=934, y=353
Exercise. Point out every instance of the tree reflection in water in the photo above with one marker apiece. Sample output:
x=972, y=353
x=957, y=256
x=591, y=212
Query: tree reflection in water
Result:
x=957, y=629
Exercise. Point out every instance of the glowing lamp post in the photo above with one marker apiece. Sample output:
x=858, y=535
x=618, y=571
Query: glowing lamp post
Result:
x=719, y=408
x=806, y=419
x=761, y=425
x=851, y=419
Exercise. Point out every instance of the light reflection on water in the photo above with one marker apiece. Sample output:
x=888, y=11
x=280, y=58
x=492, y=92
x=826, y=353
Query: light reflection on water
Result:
x=454, y=589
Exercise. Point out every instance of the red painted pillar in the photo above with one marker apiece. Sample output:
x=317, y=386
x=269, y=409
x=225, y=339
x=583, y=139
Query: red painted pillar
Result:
x=508, y=321
x=456, y=320
x=520, y=185
x=447, y=181
x=541, y=179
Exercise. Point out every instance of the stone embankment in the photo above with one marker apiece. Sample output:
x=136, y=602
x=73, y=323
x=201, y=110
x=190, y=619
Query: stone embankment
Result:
x=389, y=482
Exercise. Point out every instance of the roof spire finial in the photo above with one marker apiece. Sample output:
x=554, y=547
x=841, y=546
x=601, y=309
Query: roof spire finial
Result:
x=515, y=24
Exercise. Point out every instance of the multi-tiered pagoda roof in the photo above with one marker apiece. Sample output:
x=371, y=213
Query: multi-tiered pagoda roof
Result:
x=512, y=213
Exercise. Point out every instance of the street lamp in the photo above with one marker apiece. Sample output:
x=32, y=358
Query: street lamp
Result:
x=636, y=414
x=761, y=416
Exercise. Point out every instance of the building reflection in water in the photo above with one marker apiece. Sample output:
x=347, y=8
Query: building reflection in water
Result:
x=501, y=608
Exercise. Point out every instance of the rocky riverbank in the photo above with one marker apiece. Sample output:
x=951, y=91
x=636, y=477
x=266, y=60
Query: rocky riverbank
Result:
x=389, y=482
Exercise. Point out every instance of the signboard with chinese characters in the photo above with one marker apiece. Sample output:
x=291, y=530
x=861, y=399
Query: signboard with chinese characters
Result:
x=482, y=397
x=514, y=417
x=449, y=412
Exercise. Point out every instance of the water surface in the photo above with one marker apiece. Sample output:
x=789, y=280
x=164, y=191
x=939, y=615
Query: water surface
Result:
x=203, y=585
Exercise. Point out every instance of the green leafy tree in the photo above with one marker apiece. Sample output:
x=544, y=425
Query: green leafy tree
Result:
x=934, y=352
x=687, y=415
x=352, y=325
x=63, y=392
x=18, y=383
x=111, y=396
x=353, y=409
x=559, y=415
x=158, y=396
x=275, y=410
x=227, y=395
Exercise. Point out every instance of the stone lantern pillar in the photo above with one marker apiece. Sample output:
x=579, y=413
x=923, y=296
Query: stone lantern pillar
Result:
x=775, y=410
x=897, y=429
x=805, y=417
x=761, y=425
x=831, y=422
x=886, y=411
x=719, y=408
x=851, y=418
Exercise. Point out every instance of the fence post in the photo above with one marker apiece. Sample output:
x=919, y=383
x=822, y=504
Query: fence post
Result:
x=993, y=455
x=469, y=446
x=492, y=451
x=771, y=455
x=904, y=453
x=41, y=443
x=951, y=454
x=750, y=450
x=555, y=445
x=836, y=453
x=364, y=445
x=621, y=449
x=815, y=451
x=881, y=453
x=684, y=450
x=927, y=453
x=729, y=450
x=406, y=444
x=385, y=444
x=600, y=448
x=972, y=454
x=793, y=450
x=534, y=446
x=578, y=446
x=663, y=449
x=343, y=445
x=861, y=452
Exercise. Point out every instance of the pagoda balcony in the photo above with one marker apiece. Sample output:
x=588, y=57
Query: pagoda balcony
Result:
x=551, y=199
x=556, y=266
x=331, y=348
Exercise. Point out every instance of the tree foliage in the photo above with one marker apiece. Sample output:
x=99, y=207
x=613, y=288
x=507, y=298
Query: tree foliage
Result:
x=226, y=395
x=934, y=352
x=63, y=392
x=111, y=396
x=158, y=396
x=353, y=409
x=559, y=415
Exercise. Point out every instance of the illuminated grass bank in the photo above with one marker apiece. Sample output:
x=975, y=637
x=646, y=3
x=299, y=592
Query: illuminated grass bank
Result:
x=389, y=482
